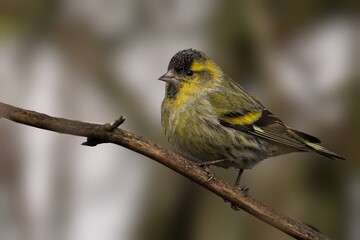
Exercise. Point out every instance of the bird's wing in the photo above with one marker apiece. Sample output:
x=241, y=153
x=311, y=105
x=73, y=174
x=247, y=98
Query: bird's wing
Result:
x=241, y=111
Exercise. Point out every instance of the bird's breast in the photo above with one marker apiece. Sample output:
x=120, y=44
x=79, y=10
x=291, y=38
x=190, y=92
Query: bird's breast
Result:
x=191, y=129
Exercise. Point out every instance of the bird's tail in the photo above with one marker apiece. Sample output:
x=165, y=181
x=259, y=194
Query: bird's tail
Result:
x=313, y=143
x=323, y=151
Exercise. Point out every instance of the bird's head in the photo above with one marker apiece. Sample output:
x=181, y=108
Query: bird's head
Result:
x=190, y=72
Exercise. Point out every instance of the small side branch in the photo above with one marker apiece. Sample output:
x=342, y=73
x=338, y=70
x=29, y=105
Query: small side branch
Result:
x=97, y=133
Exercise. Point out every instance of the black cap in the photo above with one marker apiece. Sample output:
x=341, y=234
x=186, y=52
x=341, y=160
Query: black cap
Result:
x=183, y=59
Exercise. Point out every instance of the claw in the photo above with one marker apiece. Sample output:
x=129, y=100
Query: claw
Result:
x=210, y=174
x=235, y=207
x=205, y=165
x=245, y=190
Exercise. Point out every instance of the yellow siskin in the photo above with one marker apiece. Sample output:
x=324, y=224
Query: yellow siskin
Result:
x=210, y=119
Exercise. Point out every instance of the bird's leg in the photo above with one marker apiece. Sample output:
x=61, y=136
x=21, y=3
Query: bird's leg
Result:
x=245, y=190
x=205, y=165
x=237, y=182
x=211, y=162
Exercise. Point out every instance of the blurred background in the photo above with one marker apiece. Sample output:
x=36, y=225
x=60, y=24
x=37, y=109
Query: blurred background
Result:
x=94, y=60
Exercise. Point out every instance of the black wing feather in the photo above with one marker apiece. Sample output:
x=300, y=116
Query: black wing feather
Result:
x=269, y=127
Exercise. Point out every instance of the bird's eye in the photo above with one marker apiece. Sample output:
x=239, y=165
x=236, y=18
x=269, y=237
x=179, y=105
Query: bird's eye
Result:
x=189, y=73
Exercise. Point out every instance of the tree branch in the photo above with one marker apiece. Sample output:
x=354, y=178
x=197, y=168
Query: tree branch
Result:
x=106, y=134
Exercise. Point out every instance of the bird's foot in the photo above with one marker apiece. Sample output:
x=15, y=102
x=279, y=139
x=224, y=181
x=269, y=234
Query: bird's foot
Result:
x=208, y=171
x=205, y=165
x=245, y=190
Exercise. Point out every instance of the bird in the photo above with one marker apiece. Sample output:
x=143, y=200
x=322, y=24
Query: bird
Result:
x=210, y=119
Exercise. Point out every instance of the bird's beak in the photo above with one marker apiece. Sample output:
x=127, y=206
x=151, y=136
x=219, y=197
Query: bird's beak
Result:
x=169, y=77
